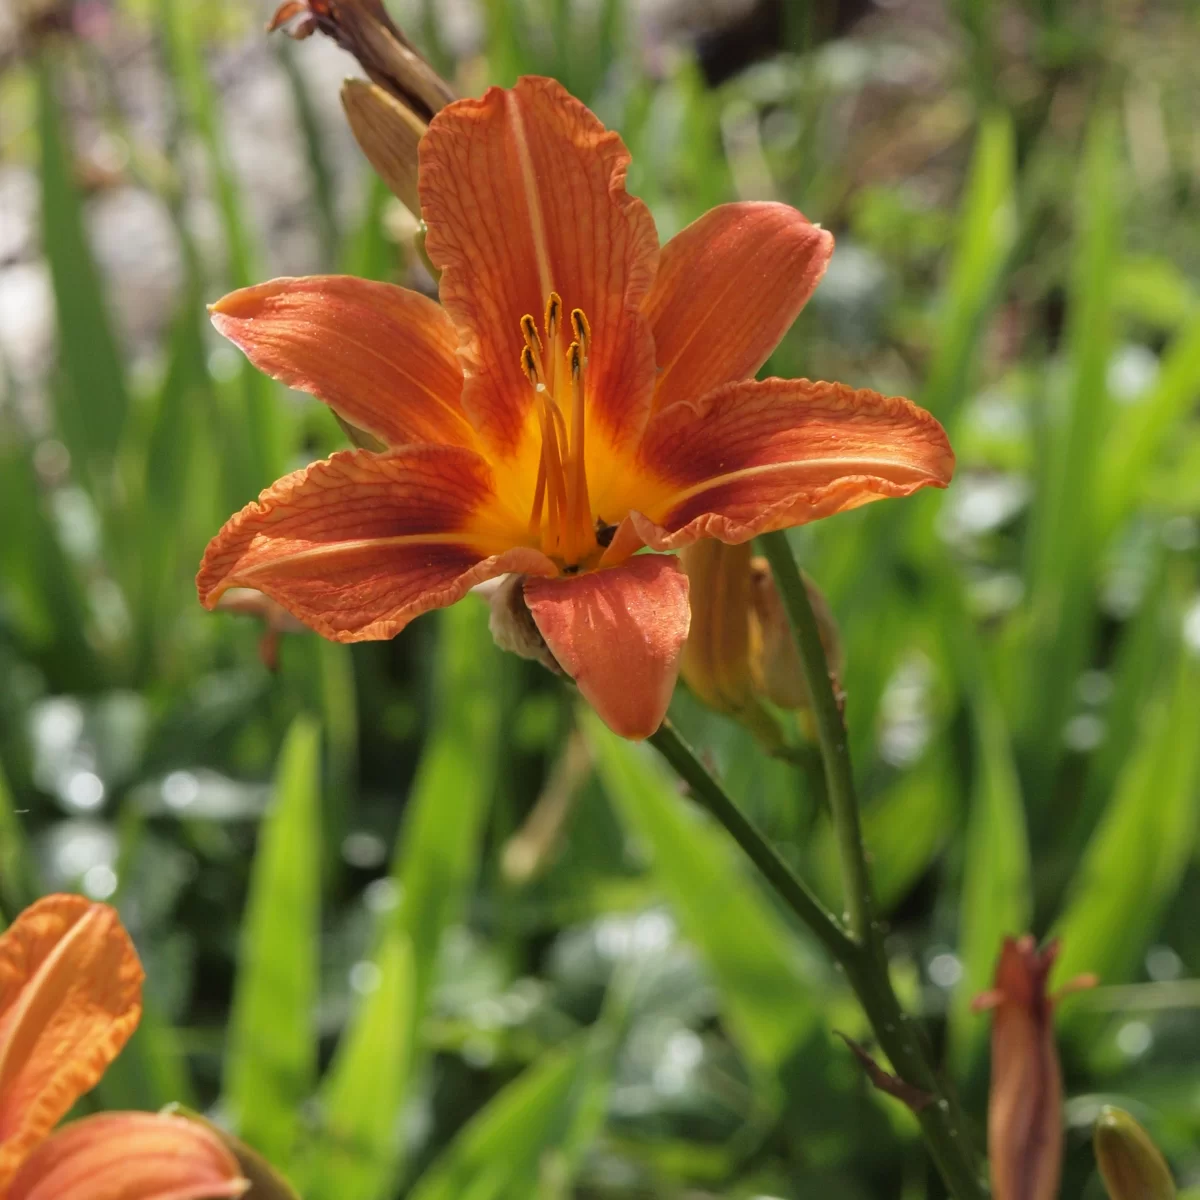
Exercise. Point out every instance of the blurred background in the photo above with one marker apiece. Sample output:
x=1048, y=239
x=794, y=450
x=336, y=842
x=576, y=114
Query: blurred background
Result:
x=410, y=927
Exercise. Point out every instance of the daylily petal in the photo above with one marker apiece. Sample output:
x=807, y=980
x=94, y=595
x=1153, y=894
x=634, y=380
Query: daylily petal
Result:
x=524, y=194
x=619, y=634
x=728, y=288
x=130, y=1156
x=380, y=356
x=70, y=996
x=756, y=456
x=357, y=545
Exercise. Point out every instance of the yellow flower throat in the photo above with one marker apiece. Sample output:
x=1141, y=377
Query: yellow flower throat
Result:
x=561, y=519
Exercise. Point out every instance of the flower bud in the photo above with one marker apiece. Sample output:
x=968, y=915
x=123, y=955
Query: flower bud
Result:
x=716, y=658
x=778, y=673
x=740, y=649
x=388, y=133
x=1025, y=1143
x=1130, y=1163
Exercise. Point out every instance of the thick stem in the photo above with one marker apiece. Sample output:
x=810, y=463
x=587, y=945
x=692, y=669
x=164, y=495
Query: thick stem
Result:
x=709, y=794
x=942, y=1121
x=831, y=734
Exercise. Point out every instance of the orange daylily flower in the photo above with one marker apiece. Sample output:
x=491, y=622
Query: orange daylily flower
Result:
x=580, y=395
x=70, y=996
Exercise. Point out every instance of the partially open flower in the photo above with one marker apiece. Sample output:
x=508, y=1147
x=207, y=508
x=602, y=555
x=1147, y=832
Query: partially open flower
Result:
x=1025, y=1106
x=1130, y=1163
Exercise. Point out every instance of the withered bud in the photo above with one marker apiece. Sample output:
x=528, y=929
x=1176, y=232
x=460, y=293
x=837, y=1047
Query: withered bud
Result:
x=511, y=623
x=388, y=133
x=1130, y=1163
x=364, y=29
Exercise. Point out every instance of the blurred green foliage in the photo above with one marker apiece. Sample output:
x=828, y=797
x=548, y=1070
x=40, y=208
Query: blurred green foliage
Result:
x=619, y=1009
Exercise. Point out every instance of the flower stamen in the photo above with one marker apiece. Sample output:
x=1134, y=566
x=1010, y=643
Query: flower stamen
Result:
x=561, y=492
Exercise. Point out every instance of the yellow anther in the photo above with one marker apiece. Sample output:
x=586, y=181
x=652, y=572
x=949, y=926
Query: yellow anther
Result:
x=529, y=330
x=553, y=316
x=530, y=367
x=575, y=359
x=583, y=331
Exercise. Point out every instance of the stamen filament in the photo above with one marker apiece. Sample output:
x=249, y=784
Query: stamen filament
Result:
x=581, y=508
x=560, y=517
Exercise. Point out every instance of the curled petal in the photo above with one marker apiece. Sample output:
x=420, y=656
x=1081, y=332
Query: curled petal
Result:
x=524, y=194
x=619, y=634
x=380, y=356
x=130, y=1156
x=728, y=288
x=359, y=544
x=70, y=996
x=757, y=456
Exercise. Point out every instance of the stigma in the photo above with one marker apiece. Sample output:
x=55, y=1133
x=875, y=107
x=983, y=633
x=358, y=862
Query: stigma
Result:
x=556, y=367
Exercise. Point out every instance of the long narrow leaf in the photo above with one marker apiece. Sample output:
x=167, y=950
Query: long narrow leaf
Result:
x=746, y=944
x=271, y=1060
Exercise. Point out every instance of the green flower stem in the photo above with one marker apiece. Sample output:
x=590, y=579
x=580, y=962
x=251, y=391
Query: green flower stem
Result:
x=942, y=1121
x=709, y=794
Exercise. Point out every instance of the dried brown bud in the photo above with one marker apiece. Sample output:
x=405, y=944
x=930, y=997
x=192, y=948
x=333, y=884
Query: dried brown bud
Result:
x=364, y=29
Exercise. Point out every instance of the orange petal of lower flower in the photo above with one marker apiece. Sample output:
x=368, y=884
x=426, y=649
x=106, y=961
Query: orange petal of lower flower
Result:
x=70, y=996
x=381, y=356
x=756, y=456
x=524, y=194
x=359, y=544
x=619, y=634
x=130, y=1156
x=728, y=288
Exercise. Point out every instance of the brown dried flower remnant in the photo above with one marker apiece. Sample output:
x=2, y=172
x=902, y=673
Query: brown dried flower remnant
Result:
x=364, y=29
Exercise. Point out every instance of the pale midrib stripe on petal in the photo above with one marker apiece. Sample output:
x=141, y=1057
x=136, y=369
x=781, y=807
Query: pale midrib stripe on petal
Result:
x=881, y=468
x=489, y=546
x=20, y=1040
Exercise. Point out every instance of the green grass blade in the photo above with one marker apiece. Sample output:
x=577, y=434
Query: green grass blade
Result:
x=18, y=887
x=358, y=1154
x=263, y=422
x=1140, y=430
x=271, y=1060
x=497, y=1153
x=983, y=246
x=744, y=941
x=93, y=403
x=996, y=877
x=1063, y=541
x=1136, y=858
x=438, y=856
x=315, y=153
